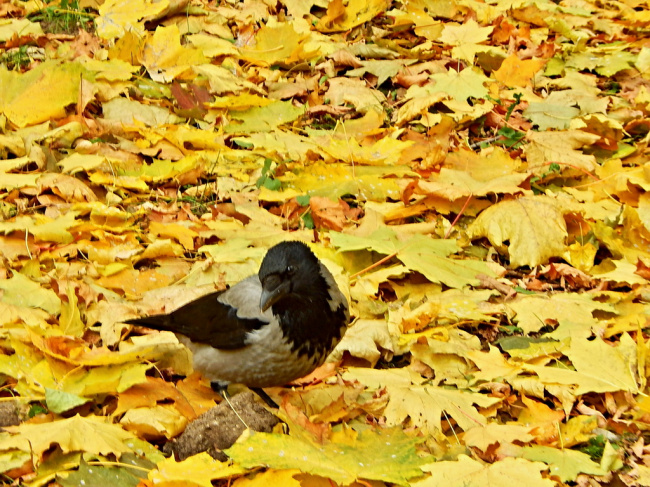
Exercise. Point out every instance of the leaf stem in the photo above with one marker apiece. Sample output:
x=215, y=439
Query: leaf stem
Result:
x=376, y=264
x=117, y=464
x=460, y=213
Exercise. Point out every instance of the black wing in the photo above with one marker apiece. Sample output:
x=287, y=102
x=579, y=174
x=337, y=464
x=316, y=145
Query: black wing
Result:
x=210, y=320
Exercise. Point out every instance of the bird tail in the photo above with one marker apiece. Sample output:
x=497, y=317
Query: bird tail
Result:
x=157, y=322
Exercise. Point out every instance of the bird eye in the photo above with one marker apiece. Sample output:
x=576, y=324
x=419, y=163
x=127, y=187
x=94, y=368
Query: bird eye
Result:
x=290, y=269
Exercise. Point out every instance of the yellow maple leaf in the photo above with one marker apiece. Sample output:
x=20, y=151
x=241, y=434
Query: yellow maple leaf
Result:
x=532, y=311
x=518, y=72
x=164, y=56
x=614, y=366
x=162, y=421
x=88, y=434
x=20, y=290
x=466, y=39
x=482, y=437
x=19, y=27
x=341, y=17
x=279, y=42
x=40, y=94
x=533, y=226
x=466, y=472
x=117, y=17
x=184, y=235
x=197, y=470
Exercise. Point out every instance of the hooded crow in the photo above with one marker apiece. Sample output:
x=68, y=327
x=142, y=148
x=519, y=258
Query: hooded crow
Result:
x=267, y=330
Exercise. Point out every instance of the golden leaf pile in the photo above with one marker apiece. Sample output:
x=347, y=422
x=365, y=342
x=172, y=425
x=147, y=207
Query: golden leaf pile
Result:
x=473, y=173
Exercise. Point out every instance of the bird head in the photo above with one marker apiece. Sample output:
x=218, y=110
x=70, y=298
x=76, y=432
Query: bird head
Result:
x=288, y=268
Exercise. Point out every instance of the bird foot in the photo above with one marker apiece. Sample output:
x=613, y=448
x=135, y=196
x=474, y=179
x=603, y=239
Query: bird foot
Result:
x=221, y=388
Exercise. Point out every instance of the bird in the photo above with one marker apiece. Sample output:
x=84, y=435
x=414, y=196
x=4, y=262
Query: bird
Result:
x=268, y=329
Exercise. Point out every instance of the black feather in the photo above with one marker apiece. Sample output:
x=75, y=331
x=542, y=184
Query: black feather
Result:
x=205, y=320
x=305, y=315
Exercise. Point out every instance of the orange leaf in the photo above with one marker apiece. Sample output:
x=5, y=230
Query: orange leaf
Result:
x=516, y=72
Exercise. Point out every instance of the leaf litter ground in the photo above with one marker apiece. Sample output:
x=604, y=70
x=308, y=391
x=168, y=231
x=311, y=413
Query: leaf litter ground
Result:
x=473, y=173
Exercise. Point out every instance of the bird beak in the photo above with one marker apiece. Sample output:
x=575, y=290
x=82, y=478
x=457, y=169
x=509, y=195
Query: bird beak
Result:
x=273, y=289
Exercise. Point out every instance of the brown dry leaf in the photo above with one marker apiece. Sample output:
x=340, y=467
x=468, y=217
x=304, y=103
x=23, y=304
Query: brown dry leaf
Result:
x=151, y=393
x=330, y=214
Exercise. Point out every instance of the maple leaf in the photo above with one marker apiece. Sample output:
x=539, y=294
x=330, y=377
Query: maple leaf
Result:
x=516, y=72
x=91, y=434
x=484, y=436
x=340, y=17
x=467, y=472
x=199, y=470
x=566, y=464
x=533, y=226
x=548, y=147
x=21, y=91
x=424, y=405
x=393, y=460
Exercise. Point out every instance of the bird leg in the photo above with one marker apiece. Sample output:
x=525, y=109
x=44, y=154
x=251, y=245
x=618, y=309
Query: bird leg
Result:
x=221, y=388
x=265, y=397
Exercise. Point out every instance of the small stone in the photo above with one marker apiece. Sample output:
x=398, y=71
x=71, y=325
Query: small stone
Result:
x=219, y=428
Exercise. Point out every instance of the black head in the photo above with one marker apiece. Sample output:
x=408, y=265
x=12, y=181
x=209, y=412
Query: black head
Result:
x=289, y=268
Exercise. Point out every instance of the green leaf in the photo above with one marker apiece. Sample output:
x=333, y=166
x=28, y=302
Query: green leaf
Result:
x=99, y=476
x=308, y=221
x=303, y=200
x=386, y=455
x=59, y=401
x=272, y=184
x=263, y=119
x=566, y=464
x=548, y=115
x=35, y=409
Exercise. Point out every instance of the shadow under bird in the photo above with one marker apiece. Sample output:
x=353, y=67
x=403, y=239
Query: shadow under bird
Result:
x=267, y=330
